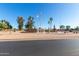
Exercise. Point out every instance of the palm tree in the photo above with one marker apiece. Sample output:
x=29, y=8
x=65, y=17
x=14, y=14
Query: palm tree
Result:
x=30, y=23
x=20, y=22
x=50, y=23
x=62, y=27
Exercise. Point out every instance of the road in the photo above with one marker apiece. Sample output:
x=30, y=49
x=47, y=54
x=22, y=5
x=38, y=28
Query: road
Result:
x=40, y=48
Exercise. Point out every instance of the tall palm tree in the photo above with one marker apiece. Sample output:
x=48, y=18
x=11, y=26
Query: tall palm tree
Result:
x=20, y=22
x=30, y=23
x=50, y=23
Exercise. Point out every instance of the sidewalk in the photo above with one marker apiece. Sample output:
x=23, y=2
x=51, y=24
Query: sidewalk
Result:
x=17, y=36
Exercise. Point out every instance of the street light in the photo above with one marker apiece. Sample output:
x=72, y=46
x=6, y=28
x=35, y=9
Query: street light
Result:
x=38, y=25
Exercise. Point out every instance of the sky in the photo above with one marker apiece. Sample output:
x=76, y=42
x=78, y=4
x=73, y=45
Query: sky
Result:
x=62, y=14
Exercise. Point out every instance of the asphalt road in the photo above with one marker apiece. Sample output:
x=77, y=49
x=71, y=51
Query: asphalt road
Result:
x=40, y=48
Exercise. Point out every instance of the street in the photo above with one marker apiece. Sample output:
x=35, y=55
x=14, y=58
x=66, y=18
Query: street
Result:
x=40, y=48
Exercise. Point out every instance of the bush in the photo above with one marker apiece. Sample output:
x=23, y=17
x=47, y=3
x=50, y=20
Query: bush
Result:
x=31, y=30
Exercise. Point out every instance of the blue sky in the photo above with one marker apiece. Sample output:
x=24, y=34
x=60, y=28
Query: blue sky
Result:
x=66, y=14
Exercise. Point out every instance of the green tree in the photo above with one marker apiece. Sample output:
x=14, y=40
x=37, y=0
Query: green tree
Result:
x=50, y=23
x=77, y=28
x=5, y=25
x=30, y=23
x=20, y=22
x=67, y=27
x=62, y=27
x=1, y=25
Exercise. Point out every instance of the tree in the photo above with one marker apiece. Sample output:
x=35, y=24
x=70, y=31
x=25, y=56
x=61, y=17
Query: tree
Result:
x=77, y=28
x=5, y=25
x=67, y=27
x=1, y=25
x=62, y=27
x=10, y=27
x=20, y=22
x=54, y=28
x=30, y=23
x=50, y=23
